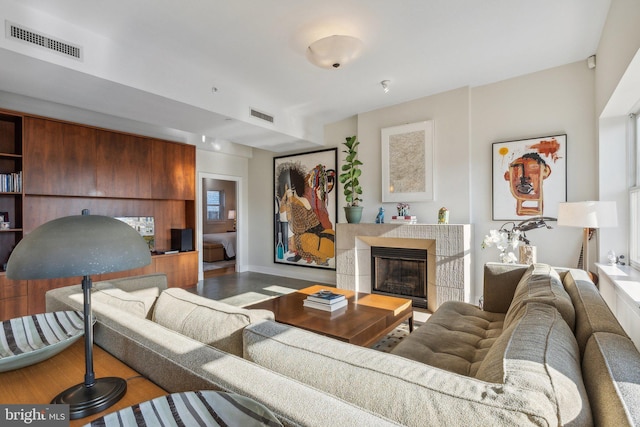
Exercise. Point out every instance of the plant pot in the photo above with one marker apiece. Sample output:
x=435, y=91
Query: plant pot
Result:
x=353, y=214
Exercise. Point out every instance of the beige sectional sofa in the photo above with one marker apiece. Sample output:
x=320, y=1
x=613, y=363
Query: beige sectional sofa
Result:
x=545, y=350
x=125, y=310
x=587, y=359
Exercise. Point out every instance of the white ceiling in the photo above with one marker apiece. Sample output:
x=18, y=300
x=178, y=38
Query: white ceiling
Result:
x=154, y=62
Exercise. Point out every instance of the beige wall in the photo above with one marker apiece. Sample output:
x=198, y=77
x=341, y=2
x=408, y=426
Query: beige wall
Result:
x=450, y=114
x=467, y=121
x=555, y=101
x=618, y=44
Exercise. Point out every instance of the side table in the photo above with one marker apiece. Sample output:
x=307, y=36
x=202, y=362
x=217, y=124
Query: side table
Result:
x=39, y=383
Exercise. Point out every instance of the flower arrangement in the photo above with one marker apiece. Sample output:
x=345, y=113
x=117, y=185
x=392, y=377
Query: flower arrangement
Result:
x=403, y=209
x=506, y=241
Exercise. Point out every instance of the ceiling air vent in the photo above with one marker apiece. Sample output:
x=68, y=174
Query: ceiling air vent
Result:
x=18, y=32
x=262, y=116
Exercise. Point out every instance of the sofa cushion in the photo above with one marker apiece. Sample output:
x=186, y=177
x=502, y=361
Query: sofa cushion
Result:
x=179, y=363
x=138, y=305
x=210, y=322
x=457, y=338
x=539, y=352
x=147, y=284
x=500, y=281
x=409, y=392
x=541, y=283
x=592, y=312
x=611, y=369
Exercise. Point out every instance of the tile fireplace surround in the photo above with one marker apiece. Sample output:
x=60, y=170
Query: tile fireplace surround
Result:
x=448, y=256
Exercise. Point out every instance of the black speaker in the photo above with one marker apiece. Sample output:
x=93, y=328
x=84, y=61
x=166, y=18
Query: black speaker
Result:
x=182, y=239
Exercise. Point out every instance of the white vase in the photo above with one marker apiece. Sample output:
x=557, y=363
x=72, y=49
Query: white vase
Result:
x=527, y=254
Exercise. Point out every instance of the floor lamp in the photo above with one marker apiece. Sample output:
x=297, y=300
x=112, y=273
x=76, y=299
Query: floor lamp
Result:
x=589, y=216
x=81, y=245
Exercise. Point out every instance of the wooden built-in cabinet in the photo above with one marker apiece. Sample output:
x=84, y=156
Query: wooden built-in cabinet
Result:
x=60, y=158
x=181, y=269
x=74, y=160
x=177, y=166
x=67, y=167
x=13, y=298
x=126, y=169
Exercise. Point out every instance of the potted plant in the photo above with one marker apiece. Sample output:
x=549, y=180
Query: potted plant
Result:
x=349, y=179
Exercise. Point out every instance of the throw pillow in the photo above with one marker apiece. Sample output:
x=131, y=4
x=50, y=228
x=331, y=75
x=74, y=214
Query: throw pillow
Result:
x=146, y=284
x=210, y=322
x=140, y=306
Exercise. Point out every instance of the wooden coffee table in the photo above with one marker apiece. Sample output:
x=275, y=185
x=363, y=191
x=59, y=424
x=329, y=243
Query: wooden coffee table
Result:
x=367, y=318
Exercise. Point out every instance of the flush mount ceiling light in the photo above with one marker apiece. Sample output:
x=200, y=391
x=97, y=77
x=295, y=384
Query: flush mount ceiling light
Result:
x=385, y=85
x=334, y=51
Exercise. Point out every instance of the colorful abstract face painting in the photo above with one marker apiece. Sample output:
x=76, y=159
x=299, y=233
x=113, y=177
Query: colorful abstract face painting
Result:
x=529, y=177
x=305, y=209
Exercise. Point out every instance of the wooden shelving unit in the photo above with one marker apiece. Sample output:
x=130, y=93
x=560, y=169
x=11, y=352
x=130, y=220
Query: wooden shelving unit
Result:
x=11, y=161
x=67, y=167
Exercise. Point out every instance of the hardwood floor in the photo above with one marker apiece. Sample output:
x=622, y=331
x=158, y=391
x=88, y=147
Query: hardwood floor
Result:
x=219, y=268
x=241, y=289
x=251, y=285
x=220, y=271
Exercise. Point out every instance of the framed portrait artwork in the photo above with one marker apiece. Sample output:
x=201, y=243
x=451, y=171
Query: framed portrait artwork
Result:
x=407, y=163
x=529, y=177
x=306, y=211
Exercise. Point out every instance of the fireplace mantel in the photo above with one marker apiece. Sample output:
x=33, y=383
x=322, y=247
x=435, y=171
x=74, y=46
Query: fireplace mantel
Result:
x=451, y=257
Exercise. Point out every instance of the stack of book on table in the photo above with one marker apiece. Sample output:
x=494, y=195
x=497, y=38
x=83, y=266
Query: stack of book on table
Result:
x=404, y=219
x=325, y=300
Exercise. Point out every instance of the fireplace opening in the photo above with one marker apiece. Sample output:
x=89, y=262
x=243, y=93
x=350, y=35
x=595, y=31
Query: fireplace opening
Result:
x=400, y=272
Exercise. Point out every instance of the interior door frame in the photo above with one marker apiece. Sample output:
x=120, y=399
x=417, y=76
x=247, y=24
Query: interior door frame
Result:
x=199, y=218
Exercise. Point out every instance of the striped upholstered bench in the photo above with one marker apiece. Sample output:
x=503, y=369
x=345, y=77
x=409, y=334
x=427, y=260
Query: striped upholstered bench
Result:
x=32, y=339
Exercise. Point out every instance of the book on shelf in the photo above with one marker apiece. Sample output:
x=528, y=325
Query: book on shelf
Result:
x=326, y=307
x=11, y=182
x=326, y=297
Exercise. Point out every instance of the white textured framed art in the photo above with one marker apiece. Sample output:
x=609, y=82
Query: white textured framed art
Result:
x=407, y=163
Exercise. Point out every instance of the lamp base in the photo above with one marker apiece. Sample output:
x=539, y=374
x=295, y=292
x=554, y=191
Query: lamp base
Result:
x=84, y=401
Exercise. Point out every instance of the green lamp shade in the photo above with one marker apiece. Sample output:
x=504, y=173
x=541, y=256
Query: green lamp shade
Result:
x=79, y=245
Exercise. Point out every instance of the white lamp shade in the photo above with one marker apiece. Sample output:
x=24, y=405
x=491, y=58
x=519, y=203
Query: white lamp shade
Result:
x=591, y=214
x=232, y=214
x=334, y=51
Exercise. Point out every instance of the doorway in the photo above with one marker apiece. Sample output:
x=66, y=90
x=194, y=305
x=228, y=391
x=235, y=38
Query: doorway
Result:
x=218, y=224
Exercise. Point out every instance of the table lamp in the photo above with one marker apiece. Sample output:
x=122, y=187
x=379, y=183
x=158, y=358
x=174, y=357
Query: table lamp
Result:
x=590, y=216
x=232, y=215
x=81, y=245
